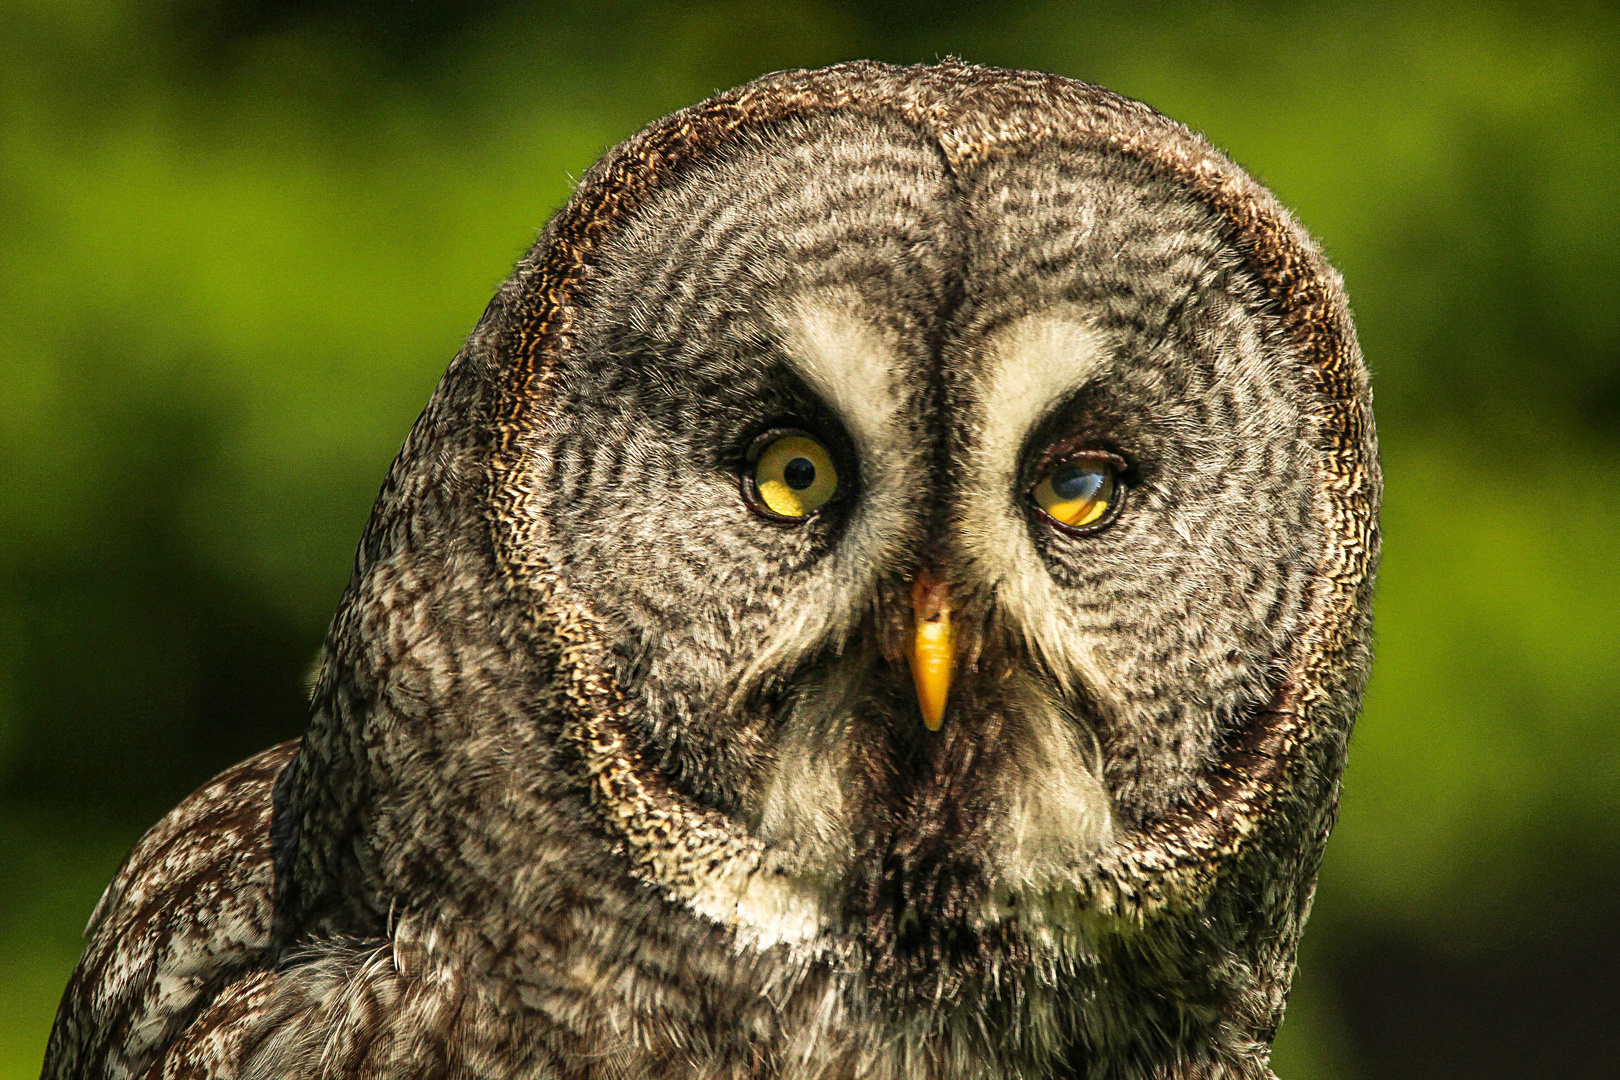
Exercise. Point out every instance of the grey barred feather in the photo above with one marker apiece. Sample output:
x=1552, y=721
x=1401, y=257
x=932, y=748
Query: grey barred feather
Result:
x=608, y=775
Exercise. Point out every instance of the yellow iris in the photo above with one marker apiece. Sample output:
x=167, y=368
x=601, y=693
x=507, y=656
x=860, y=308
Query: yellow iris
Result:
x=795, y=476
x=1076, y=493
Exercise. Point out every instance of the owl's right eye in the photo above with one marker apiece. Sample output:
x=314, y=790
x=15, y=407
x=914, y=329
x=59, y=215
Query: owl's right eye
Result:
x=791, y=477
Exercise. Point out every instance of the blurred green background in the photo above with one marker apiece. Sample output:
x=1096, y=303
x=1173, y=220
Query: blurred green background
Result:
x=239, y=240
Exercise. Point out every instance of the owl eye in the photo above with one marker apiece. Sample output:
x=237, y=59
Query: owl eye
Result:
x=1079, y=493
x=793, y=476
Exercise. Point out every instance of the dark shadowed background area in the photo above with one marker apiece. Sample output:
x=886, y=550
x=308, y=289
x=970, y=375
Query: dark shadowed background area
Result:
x=240, y=239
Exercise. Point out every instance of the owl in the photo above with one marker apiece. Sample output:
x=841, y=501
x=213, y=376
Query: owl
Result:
x=883, y=592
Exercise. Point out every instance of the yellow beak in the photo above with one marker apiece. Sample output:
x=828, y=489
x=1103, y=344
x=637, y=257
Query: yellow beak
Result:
x=933, y=647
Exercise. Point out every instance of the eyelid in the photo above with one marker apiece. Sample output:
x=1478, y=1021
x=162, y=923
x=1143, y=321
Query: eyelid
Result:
x=777, y=431
x=1075, y=449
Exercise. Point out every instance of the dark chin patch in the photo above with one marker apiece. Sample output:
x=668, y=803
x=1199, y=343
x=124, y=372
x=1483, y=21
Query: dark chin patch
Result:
x=918, y=915
x=918, y=888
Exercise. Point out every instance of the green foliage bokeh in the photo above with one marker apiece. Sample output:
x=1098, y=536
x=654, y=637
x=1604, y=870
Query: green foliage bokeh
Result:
x=235, y=256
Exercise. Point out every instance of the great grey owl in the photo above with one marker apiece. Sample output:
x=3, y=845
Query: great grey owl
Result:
x=883, y=592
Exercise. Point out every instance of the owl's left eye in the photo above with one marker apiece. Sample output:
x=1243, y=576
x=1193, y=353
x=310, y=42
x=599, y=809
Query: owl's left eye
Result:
x=1080, y=493
x=792, y=477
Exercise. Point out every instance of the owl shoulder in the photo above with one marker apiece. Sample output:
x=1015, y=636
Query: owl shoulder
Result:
x=181, y=934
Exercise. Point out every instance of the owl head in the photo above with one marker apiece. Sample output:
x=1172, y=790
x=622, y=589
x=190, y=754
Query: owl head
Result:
x=908, y=528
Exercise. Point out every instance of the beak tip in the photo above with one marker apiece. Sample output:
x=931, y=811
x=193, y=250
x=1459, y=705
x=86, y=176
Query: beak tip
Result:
x=931, y=671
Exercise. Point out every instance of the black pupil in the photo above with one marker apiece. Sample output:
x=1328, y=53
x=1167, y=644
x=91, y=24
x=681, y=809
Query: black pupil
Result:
x=799, y=473
x=1077, y=482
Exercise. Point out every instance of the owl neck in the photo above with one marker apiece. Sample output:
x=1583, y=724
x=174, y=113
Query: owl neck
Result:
x=440, y=812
